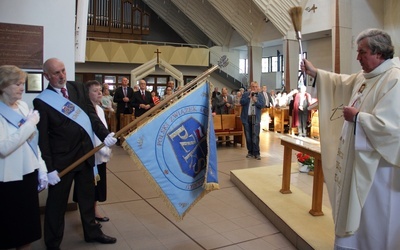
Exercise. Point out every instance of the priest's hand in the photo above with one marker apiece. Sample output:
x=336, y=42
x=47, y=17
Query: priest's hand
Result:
x=306, y=66
x=349, y=113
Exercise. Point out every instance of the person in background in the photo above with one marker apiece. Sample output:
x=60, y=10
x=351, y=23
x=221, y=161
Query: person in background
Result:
x=224, y=102
x=167, y=92
x=135, y=88
x=291, y=106
x=267, y=97
x=214, y=99
x=283, y=100
x=103, y=155
x=22, y=171
x=106, y=99
x=265, y=117
x=273, y=97
x=224, y=106
x=142, y=100
x=123, y=97
x=215, y=93
x=171, y=84
x=233, y=95
x=68, y=121
x=252, y=102
x=156, y=98
x=106, y=86
x=237, y=98
x=300, y=114
x=359, y=122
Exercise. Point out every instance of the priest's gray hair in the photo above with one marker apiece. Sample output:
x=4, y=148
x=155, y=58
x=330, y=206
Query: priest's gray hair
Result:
x=378, y=41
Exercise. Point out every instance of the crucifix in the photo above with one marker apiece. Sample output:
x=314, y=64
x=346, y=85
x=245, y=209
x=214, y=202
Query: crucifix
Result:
x=158, y=52
x=313, y=8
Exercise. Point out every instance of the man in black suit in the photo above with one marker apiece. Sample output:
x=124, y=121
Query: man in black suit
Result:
x=67, y=122
x=142, y=100
x=123, y=97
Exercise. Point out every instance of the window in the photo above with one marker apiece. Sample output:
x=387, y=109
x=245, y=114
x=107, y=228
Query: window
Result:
x=243, y=66
x=274, y=64
x=110, y=79
x=265, y=68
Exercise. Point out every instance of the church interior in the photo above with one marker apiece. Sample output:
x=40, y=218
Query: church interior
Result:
x=265, y=204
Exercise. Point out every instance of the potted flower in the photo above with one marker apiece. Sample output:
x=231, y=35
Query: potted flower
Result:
x=306, y=162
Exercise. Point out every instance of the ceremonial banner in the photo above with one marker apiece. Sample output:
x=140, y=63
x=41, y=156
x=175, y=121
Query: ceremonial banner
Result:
x=177, y=150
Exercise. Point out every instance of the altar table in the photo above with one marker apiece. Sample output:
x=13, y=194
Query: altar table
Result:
x=313, y=149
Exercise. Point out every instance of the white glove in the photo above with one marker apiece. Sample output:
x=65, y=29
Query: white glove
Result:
x=43, y=181
x=33, y=117
x=105, y=152
x=53, y=178
x=110, y=140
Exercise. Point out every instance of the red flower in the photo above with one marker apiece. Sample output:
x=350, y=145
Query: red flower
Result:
x=305, y=158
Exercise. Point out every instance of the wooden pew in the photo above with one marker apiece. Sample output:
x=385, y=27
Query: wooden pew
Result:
x=229, y=125
x=111, y=120
x=124, y=120
x=281, y=118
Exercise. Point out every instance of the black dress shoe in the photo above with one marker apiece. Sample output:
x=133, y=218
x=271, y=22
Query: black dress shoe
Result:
x=103, y=239
x=104, y=219
x=99, y=224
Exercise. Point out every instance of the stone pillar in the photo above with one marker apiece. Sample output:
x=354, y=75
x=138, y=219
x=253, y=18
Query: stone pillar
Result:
x=291, y=52
x=342, y=37
x=255, y=56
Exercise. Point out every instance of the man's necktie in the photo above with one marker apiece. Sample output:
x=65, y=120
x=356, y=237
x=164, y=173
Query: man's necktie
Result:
x=143, y=96
x=125, y=93
x=64, y=93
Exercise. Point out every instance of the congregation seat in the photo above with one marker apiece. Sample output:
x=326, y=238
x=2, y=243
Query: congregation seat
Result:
x=229, y=126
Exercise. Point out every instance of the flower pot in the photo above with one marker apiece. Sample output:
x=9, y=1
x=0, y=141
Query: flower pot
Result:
x=303, y=168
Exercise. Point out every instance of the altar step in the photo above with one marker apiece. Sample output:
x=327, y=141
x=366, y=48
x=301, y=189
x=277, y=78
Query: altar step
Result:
x=288, y=212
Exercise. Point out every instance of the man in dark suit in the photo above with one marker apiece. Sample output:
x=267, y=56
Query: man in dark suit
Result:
x=67, y=122
x=123, y=97
x=224, y=102
x=142, y=100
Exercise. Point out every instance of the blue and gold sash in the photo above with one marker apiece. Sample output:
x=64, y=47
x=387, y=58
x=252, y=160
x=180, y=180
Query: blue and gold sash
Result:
x=68, y=109
x=17, y=120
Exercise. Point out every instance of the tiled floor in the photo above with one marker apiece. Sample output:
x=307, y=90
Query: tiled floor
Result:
x=223, y=219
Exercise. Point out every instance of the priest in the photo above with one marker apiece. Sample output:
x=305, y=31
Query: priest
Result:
x=360, y=144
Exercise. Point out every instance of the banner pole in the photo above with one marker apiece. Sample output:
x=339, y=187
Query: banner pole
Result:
x=223, y=62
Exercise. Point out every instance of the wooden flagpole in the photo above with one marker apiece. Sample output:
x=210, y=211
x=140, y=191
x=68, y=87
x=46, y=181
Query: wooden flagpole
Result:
x=223, y=62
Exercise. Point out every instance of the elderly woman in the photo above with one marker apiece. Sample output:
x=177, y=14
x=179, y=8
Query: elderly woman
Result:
x=22, y=170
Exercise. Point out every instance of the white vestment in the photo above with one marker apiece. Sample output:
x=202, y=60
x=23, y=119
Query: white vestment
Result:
x=350, y=163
